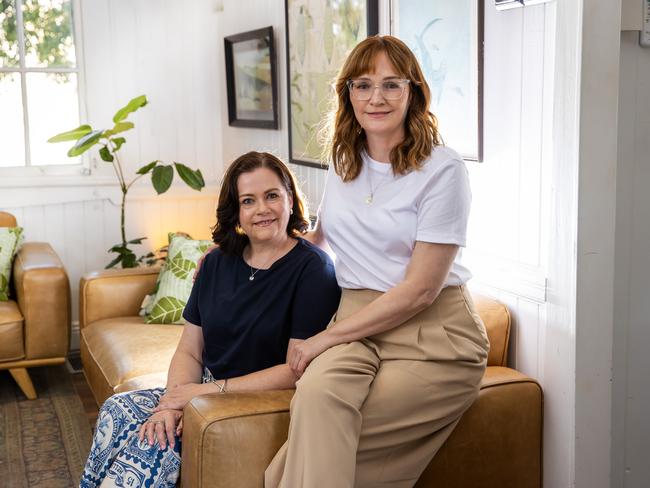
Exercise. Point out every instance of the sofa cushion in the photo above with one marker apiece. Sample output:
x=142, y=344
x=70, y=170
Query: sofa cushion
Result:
x=124, y=348
x=11, y=332
x=144, y=382
x=496, y=318
x=175, y=281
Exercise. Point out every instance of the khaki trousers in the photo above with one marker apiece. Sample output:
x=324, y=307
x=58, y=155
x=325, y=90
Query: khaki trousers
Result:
x=373, y=413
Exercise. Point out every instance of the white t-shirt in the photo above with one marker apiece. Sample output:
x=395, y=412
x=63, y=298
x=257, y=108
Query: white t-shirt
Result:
x=374, y=242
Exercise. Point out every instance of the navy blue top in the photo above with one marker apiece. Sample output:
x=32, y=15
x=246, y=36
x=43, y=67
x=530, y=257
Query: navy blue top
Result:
x=247, y=324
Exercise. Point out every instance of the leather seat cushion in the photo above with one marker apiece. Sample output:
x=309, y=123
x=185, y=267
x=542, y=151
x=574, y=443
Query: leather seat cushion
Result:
x=144, y=382
x=124, y=348
x=11, y=332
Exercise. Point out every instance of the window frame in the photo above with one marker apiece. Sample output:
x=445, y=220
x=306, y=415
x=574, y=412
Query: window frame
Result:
x=9, y=176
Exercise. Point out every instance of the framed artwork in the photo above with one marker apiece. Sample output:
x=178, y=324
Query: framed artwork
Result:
x=251, y=79
x=320, y=35
x=447, y=38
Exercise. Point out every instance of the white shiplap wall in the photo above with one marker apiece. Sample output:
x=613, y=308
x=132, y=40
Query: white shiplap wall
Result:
x=631, y=362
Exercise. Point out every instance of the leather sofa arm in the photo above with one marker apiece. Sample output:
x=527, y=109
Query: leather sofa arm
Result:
x=43, y=296
x=114, y=293
x=243, y=431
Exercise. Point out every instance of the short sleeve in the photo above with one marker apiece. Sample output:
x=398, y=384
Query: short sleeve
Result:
x=316, y=299
x=443, y=210
x=191, y=311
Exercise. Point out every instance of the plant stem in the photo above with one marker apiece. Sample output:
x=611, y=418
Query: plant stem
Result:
x=124, y=191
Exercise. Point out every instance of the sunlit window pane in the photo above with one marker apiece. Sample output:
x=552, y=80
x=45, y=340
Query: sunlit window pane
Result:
x=12, y=147
x=53, y=108
x=8, y=34
x=48, y=33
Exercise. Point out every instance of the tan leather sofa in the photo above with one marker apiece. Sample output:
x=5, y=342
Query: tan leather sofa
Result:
x=35, y=327
x=229, y=439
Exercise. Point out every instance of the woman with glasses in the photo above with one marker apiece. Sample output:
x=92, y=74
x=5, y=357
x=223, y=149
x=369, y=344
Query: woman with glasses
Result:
x=385, y=384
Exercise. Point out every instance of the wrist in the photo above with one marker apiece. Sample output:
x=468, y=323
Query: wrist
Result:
x=221, y=385
x=331, y=338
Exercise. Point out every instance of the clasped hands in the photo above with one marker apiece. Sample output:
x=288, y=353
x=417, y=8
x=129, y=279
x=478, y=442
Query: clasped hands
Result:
x=303, y=353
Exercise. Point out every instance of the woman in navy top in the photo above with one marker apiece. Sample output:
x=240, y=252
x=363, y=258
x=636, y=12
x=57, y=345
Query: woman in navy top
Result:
x=257, y=296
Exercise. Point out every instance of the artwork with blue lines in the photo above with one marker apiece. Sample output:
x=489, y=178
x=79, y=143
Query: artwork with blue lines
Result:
x=443, y=36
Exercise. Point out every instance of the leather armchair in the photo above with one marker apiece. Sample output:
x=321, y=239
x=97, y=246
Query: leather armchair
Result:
x=35, y=327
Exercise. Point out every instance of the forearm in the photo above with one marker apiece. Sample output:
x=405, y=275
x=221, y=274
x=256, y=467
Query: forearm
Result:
x=390, y=310
x=184, y=369
x=278, y=377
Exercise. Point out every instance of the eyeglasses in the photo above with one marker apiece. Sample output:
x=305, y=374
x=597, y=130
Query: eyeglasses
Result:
x=362, y=90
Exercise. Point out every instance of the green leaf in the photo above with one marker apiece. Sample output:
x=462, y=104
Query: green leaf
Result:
x=118, y=141
x=180, y=267
x=114, y=262
x=132, y=106
x=121, y=127
x=203, y=247
x=162, y=177
x=71, y=135
x=85, y=143
x=136, y=241
x=119, y=248
x=147, y=167
x=166, y=311
x=106, y=155
x=193, y=179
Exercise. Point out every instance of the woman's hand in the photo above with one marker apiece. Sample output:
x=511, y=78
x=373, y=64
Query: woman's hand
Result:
x=304, y=353
x=162, y=425
x=176, y=398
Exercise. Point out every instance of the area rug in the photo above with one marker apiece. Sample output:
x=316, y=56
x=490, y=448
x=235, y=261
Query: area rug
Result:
x=43, y=442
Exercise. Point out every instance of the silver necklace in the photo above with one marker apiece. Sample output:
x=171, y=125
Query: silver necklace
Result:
x=266, y=265
x=370, y=197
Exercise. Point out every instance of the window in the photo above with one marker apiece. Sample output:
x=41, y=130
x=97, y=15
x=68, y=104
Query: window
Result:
x=39, y=80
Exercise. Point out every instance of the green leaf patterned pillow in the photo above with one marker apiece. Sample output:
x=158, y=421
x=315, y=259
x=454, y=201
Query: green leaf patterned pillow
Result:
x=10, y=241
x=175, y=281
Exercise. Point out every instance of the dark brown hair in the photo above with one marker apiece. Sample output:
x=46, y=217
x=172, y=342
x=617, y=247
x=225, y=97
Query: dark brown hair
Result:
x=344, y=136
x=224, y=233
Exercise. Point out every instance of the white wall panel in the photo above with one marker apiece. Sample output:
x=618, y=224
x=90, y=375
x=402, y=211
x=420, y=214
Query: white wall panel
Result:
x=631, y=363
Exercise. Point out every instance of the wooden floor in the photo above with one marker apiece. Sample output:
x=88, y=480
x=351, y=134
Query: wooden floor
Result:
x=83, y=390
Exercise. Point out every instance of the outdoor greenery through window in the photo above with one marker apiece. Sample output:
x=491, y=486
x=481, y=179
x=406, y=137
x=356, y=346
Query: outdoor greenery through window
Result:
x=38, y=81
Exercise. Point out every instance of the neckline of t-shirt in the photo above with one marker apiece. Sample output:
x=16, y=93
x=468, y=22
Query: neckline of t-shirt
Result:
x=375, y=165
x=279, y=260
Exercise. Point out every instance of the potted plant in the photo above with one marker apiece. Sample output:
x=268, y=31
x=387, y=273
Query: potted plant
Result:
x=109, y=142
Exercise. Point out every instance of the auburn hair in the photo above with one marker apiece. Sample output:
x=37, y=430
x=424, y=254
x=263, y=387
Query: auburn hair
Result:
x=343, y=135
x=225, y=233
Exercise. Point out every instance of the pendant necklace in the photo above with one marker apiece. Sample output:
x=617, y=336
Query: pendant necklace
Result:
x=253, y=273
x=370, y=197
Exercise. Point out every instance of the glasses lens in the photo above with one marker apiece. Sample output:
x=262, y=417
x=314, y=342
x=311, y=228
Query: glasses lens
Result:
x=361, y=90
x=392, y=90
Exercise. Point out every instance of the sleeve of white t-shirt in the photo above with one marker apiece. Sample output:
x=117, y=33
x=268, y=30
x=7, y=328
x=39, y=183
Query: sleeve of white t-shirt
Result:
x=443, y=209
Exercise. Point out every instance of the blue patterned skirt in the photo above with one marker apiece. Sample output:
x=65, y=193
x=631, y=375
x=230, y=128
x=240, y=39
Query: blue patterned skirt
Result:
x=118, y=458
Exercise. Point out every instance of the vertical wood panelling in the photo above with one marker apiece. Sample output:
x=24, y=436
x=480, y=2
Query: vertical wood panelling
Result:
x=630, y=394
x=530, y=152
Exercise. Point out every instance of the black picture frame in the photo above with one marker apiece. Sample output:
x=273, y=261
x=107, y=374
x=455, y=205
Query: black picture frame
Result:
x=372, y=28
x=245, y=87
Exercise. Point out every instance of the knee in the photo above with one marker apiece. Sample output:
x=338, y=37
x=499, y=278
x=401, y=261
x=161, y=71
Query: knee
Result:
x=317, y=389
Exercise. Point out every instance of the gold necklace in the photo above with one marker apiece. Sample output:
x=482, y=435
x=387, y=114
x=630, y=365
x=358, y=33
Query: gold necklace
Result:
x=370, y=197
